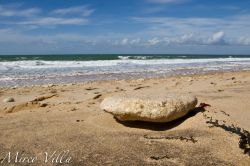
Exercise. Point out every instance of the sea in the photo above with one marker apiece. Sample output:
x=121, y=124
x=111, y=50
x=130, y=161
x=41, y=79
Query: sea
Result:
x=26, y=70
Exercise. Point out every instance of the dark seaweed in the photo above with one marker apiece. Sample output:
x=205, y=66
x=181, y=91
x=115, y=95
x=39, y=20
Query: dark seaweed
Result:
x=187, y=139
x=158, y=157
x=244, y=141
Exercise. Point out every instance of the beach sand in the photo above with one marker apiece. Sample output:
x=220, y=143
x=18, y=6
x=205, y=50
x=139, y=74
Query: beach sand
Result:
x=68, y=117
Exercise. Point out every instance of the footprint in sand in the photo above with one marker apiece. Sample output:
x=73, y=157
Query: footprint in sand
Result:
x=79, y=120
x=73, y=109
x=97, y=96
x=90, y=88
x=141, y=87
x=164, y=159
x=119, y=89
x=213, y=83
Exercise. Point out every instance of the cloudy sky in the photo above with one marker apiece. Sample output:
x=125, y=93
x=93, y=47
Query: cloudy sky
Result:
x=125, y=26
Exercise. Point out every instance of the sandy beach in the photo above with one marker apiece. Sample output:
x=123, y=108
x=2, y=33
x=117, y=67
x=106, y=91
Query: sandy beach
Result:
x=53, y=119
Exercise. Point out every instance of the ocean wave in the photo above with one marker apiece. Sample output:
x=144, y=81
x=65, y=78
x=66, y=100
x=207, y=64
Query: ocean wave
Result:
x=139, y=57
x=27, y=72
x=32, y=64
x=39, y=63
x=124, y=57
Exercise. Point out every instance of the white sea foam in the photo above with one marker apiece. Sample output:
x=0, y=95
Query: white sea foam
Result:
x=35, y=71
x=106, y=63
x=124, y=57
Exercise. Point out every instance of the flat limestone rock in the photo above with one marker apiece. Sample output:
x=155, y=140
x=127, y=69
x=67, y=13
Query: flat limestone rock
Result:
x=160, y=108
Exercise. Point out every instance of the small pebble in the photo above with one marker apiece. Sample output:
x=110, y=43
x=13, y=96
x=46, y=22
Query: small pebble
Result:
x=8, y=99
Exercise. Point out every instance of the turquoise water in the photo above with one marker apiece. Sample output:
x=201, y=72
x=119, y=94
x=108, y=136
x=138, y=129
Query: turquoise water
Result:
x=24, y=70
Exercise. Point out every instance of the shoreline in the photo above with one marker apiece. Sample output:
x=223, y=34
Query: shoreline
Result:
x=127, y=79
x=55, y=71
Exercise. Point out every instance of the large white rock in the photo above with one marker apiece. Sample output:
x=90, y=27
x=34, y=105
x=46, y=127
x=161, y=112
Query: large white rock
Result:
x=160, y=108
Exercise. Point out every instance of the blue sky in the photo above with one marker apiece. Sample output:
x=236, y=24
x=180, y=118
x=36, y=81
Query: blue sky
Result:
x=124, y=26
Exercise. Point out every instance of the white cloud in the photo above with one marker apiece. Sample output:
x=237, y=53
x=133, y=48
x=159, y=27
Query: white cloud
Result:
x=135, y=41
x=153, y=41
x=192, y=39
x=217, y=38
x=124, y=41
x=243, y=41
x=5, y=30
x=83, y=10
x=179, y=22
x=167, y=1
x=230, y=7
x=183, y=39
x=32, y=20
x=233, y=26
x=6, y=11
x=16, y=37
x=154, y=32
x=154, y=9
x=74, y=42
x=51, y=21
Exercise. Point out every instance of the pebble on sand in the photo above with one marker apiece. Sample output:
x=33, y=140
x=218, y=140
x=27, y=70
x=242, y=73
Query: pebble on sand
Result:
x=8, y=99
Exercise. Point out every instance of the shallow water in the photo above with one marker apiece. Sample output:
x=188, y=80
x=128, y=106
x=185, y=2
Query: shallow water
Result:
x=37, y=70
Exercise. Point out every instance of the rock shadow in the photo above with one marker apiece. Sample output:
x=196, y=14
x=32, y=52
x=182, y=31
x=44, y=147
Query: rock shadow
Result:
x=160, y=126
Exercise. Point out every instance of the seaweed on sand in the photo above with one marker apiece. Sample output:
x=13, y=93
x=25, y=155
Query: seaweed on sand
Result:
x=244, y=141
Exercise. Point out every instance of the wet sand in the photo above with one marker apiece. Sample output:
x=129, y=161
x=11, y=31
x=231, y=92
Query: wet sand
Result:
x=57, y=118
